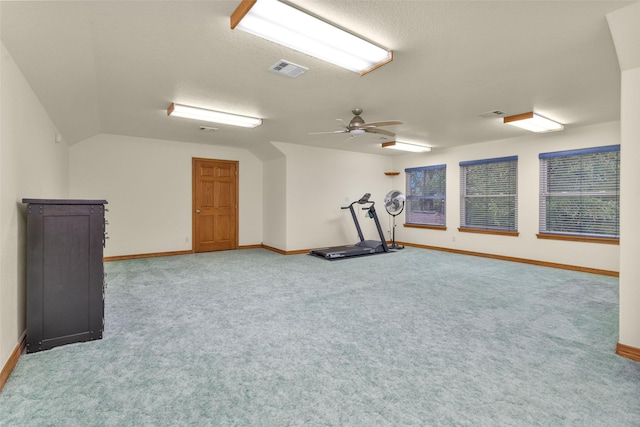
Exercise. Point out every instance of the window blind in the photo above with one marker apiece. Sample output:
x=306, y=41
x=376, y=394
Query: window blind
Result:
x=489, y=193
x=426, y=195
x=580, y=192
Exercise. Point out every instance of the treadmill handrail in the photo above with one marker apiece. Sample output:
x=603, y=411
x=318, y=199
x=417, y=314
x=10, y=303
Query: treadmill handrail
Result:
x=383, y=241
x=361, y=203
x=350, y=205
x=355, y=220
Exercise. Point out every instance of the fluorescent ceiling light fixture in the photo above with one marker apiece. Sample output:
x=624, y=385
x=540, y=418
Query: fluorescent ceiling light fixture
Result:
x=292, y=27
x=404, y=146
x=533, y=122
x=185, y=111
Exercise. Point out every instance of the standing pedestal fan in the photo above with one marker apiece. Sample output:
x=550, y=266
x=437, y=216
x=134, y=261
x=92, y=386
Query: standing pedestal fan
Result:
x=394, y=204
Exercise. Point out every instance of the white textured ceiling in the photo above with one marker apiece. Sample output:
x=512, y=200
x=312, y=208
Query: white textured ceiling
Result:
x=114, y=67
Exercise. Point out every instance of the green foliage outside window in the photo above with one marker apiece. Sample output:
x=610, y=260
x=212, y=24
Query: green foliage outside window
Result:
x=426, y=198
x=580, y=192
x=489, y=194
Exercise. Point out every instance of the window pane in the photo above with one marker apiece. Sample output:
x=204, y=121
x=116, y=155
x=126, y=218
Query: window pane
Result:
x=426, y=198
x=490, y=213
x=579, y=192
x=489, y=194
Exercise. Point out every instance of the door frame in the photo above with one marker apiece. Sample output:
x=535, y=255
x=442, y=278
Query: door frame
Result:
x=193, y=199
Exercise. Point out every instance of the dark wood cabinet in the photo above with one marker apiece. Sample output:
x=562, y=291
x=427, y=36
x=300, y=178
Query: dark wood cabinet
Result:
x=65, y=273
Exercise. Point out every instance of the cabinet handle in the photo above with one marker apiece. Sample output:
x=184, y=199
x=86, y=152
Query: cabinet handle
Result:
x=197, y=210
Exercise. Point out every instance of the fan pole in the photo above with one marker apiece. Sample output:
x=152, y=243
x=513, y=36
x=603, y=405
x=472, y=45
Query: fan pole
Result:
x=393, y=235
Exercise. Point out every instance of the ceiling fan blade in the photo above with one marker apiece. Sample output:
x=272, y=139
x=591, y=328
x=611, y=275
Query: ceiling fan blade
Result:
x=335, y=131
x=387, y=123
x=380, y=131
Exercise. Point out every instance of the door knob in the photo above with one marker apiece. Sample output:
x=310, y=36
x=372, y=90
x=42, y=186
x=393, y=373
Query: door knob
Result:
x=197, y=210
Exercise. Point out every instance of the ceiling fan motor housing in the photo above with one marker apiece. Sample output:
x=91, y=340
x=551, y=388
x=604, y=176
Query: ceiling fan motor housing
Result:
x=356, y=122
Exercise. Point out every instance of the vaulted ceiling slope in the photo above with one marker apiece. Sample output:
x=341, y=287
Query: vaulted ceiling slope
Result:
x=114, y=67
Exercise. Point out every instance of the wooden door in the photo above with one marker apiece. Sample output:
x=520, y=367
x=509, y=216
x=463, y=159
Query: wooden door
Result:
x=215, y=205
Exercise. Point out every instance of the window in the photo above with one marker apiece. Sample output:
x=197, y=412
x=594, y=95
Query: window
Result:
x=489, y=192
x=426, y=195
x=580, y=192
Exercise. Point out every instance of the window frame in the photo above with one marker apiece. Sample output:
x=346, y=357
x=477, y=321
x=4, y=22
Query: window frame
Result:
x=511, y=229
x=543, y=225
x=442, y=197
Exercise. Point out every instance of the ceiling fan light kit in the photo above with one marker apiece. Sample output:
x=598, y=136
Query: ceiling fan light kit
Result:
x=404, y=146
x=185, y=111
x=296, y=29
x=533, y=122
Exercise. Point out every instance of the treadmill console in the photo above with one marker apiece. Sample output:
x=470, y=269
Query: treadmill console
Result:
x=364, y=199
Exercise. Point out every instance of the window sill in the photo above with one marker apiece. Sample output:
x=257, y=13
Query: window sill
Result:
x=495, y=232
x=602, y=240
x=429, y=227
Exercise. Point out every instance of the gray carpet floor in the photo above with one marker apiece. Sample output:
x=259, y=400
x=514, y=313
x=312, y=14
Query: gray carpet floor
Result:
x=410, y=338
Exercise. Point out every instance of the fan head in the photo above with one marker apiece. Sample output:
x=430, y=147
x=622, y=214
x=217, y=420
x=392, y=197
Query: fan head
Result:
x=394, y=202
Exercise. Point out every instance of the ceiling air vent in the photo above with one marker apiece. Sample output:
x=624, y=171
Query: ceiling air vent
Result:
x=491, y=114
x=288, y=68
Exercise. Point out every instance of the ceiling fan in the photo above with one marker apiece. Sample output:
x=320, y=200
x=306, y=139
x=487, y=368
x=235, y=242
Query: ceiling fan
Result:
x=357, y=126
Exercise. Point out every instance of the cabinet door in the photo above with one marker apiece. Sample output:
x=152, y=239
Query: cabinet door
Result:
x=64, y=275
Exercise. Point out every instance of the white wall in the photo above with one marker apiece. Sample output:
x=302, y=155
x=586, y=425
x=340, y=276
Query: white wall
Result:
x=147, y=183
x=625, y=30
x=526, y=245
x=274, y=187
x=630, y=211
x=318, y=182
x=32, y=165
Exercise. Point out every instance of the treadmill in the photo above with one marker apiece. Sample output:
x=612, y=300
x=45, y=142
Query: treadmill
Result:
x=363, y=247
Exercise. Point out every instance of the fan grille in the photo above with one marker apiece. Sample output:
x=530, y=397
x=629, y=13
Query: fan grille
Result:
x=394, y=202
